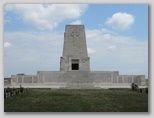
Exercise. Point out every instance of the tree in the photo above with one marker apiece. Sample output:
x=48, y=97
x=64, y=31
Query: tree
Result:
x=20, y=74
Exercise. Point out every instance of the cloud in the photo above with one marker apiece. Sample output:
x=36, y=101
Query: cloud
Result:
x=7, y=44
x=7, y=20
x=120, y=21
x=32, y=51
x=100, y=25
x=117, y=52
x=77, y=22
x=94, y=35
x=106, y=31
x=46, y=16
x=111, y=48
x=107, y=51
x=91, y=51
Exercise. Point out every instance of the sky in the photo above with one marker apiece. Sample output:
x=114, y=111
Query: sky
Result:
x=116, y=35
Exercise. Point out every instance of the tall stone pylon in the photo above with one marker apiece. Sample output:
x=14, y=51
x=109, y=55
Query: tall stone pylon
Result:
x=75, y=55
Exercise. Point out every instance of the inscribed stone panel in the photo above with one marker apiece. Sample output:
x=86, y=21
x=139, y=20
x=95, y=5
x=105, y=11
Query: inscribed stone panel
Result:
x=135, y=79
x=109, y=77
x=125, y=79
x=27, y=79
x=130, y=80
x=114, y=80
x=114, y=77
x=138, y=80
x=19, y=79
x=120, y=79
x=35, y=80
x=14, y=79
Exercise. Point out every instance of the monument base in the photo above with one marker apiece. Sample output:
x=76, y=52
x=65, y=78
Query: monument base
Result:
x=77, y=79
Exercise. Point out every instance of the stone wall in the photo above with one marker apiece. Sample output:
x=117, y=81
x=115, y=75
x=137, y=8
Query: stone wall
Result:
x=75, y=47
x=104, y=76
x=77, y=79
x=24, y=79
x=7, y=81
x=52, y=76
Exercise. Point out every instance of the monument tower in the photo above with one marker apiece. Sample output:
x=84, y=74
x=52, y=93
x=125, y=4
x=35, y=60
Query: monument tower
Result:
x=75, y=68
x=75, y=55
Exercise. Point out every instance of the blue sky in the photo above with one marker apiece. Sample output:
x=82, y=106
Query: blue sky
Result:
x=116, y=35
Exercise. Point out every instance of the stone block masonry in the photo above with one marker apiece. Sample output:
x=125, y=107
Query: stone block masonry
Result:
x=75, y=68
x=77, y=79
x=75, y=55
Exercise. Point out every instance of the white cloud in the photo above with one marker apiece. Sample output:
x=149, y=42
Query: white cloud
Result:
x=46, y=16
x=32, y=51
x=117, y=52
x=77, y=22
x=120, y=21
x=106, y=31
x=7, y=20
x=42, y=51
x=100, y=25
x=91, y=51
x=94, y=35
x=111, y=48
x=7, y=44
x=106, y=36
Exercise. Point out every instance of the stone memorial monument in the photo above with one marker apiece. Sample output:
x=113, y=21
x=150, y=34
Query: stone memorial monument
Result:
x=75, y=55
x=75, y=68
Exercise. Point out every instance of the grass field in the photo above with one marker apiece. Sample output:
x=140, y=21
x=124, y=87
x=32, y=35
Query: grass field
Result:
x=51, y=100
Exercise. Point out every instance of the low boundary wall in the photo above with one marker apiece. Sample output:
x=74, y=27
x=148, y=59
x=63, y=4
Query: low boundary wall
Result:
x=77, y=79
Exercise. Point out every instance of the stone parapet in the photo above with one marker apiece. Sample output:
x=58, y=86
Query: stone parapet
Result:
x=77, y=79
